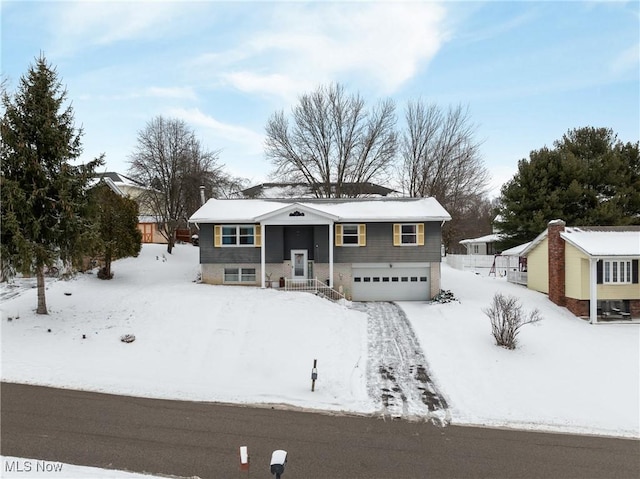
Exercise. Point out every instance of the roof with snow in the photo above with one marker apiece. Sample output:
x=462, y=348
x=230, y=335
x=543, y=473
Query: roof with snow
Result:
x=604, y=241
x=340, y=210
x=492, y=238
x=598, y=241
x=516, y=250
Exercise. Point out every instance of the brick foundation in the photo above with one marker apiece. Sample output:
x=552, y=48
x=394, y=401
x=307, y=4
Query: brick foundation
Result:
x=579, y=307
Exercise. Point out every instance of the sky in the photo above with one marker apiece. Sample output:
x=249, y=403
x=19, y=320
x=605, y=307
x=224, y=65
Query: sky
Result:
x=527, y=71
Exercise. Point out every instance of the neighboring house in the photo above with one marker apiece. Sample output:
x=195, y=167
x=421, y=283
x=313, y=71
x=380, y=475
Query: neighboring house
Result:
x=593, y=271
x=370, y=249
x=306, y=190
x=484, y=245
x=148, y=222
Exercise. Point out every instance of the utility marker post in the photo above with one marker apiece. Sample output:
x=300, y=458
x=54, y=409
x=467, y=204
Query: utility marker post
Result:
x=314, y=375
x=244, y=459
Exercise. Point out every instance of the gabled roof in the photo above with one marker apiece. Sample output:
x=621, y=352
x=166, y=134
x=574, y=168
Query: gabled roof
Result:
x=363, y=210
x=492, y=238
x=597, y=241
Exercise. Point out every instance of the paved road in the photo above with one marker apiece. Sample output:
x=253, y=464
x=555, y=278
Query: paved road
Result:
x=199, y=439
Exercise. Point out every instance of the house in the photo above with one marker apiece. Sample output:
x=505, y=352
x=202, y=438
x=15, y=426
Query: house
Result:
x=148, y=222
x=306, y=190
x=370, y=249
x=484, y=245
x=592, y=271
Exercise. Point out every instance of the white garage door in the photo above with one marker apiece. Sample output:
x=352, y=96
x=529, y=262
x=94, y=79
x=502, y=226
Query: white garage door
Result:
x=391, y=284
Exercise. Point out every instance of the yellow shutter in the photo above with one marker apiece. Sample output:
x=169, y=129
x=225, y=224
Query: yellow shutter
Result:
x=217, y=236
x=338, y=235
x=397, y=234
x=258, y=236
x=420, y=237
x=362, y=235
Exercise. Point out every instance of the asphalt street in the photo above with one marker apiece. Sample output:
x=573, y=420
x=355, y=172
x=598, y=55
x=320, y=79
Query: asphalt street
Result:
x=188, y=439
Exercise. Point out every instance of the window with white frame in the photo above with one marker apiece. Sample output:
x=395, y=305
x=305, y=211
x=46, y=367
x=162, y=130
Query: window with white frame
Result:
x=239, y=275
x=350, y=235
x=409, y=234
x=616, y=271
x=238, y=235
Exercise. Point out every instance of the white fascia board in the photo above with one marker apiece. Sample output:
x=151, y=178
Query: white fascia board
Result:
x=295, y=207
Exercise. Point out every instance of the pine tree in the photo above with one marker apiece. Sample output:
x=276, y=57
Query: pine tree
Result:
x=115, y=219
x=43, y=193
x=588, y=178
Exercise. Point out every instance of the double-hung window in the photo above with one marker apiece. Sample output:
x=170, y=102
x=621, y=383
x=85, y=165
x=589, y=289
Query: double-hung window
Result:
x=616, y=271
x=236, y=235
x=351, y=234
x=408, y=234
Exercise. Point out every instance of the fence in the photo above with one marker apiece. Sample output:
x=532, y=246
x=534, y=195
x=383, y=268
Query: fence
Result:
x=482, y=263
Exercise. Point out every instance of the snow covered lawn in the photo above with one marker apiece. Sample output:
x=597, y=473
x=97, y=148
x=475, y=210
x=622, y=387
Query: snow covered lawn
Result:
x=247, y=345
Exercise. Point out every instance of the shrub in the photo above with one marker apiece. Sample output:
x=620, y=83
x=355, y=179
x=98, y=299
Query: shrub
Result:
x=507, y=317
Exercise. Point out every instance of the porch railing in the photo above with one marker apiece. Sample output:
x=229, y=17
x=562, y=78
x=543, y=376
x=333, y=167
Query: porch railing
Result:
x=316, y=287
x=517, y=277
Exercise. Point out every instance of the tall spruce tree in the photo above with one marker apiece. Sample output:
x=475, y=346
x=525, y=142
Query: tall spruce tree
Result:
x=588, y=178
x=43, y=194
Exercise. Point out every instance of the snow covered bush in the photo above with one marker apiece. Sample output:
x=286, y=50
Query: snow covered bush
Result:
x=507, y=317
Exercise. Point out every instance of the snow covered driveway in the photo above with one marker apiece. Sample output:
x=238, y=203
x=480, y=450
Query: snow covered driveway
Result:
x=397, y=374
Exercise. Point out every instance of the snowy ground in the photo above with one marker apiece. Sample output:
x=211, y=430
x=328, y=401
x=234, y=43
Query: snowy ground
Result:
x=14, y=467
x=247, y=345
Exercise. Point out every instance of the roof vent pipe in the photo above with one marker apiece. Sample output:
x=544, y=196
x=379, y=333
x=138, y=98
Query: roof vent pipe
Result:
x=202, y=194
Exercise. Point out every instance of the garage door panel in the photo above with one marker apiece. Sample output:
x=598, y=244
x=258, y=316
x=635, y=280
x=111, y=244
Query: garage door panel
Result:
x=390, y=284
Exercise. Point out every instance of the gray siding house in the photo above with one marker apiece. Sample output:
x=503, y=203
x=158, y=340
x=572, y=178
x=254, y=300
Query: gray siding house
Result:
x=385, y=249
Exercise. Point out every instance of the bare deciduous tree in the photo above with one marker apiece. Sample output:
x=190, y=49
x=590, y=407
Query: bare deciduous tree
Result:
x=441, y=158
x=173, y=164
x=334, y=139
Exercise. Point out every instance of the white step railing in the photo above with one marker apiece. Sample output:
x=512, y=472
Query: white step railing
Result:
x=314, y=286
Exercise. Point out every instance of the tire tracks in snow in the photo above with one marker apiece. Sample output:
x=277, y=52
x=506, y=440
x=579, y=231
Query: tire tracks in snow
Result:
x=397, y=372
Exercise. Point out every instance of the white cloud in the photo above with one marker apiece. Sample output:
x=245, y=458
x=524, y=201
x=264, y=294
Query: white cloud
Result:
x=93, y=22
x=386, y=44
x=251, y=141
x=626, y=60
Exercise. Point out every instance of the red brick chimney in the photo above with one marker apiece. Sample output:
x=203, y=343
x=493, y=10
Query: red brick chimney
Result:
x=556, y=262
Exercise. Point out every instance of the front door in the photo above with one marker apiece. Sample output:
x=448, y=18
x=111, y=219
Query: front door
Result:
x=299, y=262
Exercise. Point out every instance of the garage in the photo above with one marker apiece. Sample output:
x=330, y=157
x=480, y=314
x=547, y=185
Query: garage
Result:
x=391, y=283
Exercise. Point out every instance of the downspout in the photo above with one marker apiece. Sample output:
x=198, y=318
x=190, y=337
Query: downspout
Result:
x=331, y=254
x=593, y=290
x=263, y=253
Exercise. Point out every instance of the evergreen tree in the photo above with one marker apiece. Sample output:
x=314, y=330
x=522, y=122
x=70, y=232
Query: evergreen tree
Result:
x=115, y=219
x=43, y=194
x=588, y=178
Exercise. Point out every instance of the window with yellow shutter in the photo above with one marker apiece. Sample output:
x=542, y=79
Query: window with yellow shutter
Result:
x=408, y=234
x=351, y=235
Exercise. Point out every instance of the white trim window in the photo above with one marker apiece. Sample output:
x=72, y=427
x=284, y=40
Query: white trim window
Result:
x=239, y=275
x=408, y=234
x=616, y=271
x=238, y=235
x=350, y=235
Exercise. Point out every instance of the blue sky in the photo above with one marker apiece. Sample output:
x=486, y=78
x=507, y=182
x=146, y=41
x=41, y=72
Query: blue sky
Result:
x=528, y=71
